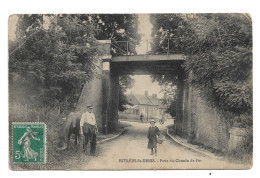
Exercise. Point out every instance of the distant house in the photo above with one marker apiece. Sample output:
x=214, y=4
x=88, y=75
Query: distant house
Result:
x=148, y=105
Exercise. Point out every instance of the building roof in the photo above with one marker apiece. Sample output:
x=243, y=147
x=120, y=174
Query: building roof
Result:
x=144, y=100
x=138, y=99
x=154, y=100
x=132, y=100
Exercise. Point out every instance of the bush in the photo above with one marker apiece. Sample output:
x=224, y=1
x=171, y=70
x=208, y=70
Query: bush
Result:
x=244, y=151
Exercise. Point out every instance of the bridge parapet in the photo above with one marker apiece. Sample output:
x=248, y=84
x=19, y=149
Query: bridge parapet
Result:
x=152, y=46
x=148, y=57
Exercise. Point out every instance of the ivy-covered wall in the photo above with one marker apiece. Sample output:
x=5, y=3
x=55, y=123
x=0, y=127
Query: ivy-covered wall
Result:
x=208, y=127
x=198, y=122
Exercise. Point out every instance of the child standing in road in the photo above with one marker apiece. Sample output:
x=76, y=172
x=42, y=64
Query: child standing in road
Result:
x=153, y=132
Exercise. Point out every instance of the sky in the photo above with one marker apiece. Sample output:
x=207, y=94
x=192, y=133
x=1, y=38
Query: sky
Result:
x=144, y=82
x=145, y=29
x=12, y=26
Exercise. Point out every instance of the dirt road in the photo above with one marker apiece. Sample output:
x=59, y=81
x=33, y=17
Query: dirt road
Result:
x=129, y=151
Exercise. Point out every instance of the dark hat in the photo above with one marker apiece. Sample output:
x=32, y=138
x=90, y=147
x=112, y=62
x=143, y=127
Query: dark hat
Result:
x=152, y=121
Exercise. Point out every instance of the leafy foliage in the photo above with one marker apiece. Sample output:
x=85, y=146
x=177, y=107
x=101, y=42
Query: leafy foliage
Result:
x=168, y=84
x=172, y=107
x=119, y=28
x=50, y=65
x=54, y=55
x=219, y=55
x=125, y=81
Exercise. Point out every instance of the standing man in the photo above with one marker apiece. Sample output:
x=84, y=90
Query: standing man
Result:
x=89, y=128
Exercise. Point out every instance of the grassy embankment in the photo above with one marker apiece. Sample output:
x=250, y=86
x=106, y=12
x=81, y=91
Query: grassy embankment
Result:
x=56, y=159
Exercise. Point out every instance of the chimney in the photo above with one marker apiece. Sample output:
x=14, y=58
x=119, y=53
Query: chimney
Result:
x=154, y=95
x=146, y=93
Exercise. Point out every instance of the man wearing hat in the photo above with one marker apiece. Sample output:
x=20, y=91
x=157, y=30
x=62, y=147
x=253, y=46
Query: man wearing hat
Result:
x=153, y=132
x=89, y=128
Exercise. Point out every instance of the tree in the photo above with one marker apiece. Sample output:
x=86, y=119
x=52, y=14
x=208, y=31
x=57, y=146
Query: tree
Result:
x=164, y=27
x=49, y=65
x=168, y=83
x=52, y=63
x=118, y=27
x=219, y=52
x=125, y=82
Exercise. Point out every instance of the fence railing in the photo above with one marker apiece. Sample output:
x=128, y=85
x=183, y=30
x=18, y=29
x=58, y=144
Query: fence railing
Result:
x=149, y=46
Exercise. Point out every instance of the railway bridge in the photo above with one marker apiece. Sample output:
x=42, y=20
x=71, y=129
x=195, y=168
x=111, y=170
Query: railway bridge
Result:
x=195, y=120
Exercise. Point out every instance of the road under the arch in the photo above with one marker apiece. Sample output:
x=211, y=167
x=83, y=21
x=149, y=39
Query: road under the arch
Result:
x=133, y=146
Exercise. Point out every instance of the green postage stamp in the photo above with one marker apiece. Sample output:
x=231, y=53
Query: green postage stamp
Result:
x=29, y=142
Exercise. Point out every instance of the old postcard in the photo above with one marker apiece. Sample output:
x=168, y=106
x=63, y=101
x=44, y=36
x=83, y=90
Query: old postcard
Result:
x=130, y=91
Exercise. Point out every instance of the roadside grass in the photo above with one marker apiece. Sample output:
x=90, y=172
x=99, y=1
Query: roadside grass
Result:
x=56, y=159
x=243, y=152
x=49, y=116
